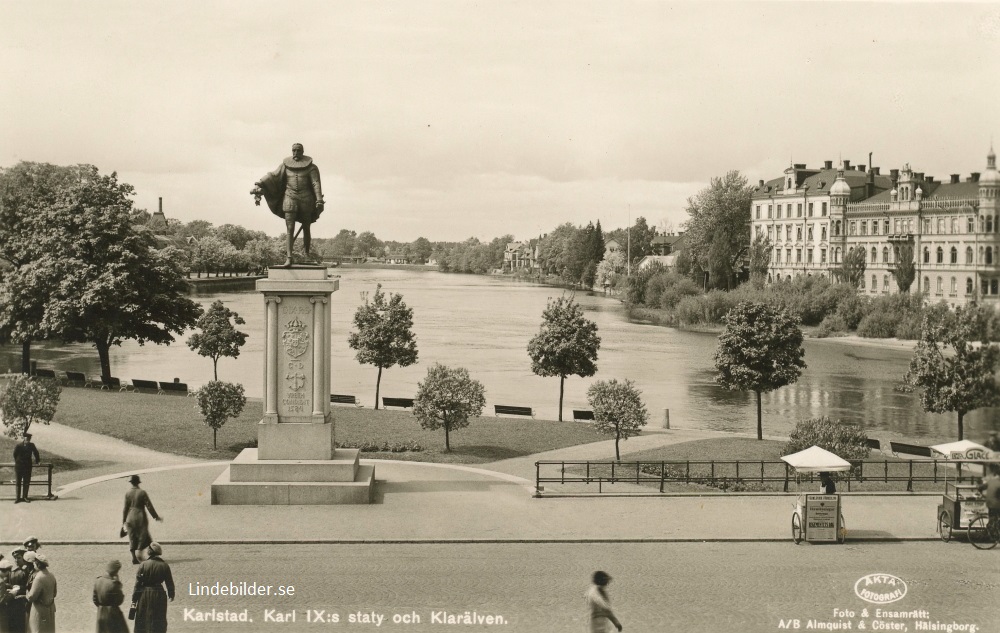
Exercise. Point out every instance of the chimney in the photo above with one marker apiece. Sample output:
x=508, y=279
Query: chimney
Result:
x=929, y=178
x=955, y=178
x=894, y=175
x=800, y=165
x=918, y=175
x=876, y=170
x=161, y=204
x=861, y=168
x=975, y=176
x=847, y=165
x=827, y=164
x=761, y=183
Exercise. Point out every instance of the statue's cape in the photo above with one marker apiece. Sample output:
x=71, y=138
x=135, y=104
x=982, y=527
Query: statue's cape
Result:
x=273, y=187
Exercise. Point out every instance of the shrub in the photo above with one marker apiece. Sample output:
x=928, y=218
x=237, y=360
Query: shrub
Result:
x=833, y=323
x=716, y=304
x=848, y=441
x=852, y=309
x=672, y=295
x=879, y=324
x=909, y=327
x=689, y=310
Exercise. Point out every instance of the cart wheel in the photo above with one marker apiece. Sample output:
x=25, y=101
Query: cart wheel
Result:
x=842, y=532
x=944, y=526
x=796, y=528
x=984, y=538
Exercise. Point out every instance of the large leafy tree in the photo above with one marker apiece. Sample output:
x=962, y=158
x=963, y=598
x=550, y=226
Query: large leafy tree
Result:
x=953, y=373
x=852, y=269
x=618, y=409
x=384, y=336
x=108, y=282
x=446, y=399
x=26, y=400
x=218, y=336
x=760, y=351
x=905, y=270
x=218, y=401
x=718, y=227
x=566, y=344
x=760, y=257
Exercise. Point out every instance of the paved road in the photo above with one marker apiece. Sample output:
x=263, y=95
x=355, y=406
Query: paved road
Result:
x=691, y=587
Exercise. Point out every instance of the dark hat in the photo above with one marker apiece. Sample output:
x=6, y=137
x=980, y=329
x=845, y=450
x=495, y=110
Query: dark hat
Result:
x=27, y=436
x=601, y=578
x=31, y=539
x=18, y=551
x=155, y=549
x=134, y=479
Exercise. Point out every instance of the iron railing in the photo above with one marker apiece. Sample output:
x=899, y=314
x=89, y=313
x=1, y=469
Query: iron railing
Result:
x=35, y=480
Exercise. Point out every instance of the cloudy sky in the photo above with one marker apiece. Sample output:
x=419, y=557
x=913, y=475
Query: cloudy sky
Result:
x=456, y=119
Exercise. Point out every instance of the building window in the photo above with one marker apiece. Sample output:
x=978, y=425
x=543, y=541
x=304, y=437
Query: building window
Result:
x=940, y=226
x=940, y=286
x=769, y=211
x=927, y=284
x=993, y=286
x=895, y=226
x=970, y=225
x=788, y=232
x=927, y=225
x=809, y=231
x=954, y=286
x=770, y=232
x=836, y=256
x=968, y=285
x=777, y=256
x=854, y=228
x=989, y=224
x=986, y=286
x=798, y=233
x=954, y=255
x=822, y=255
x=874, y=283
x=885, y=283
x=809, y=255
x=874, y=255
x=810, y=209
x=798, y=255
x=885, y=254
x=798, y=211
x=862, y=282
x=824, y=210
x=887, y=227
x=940, y=255
x=788, y=255
x=836, y=228
x=968, y=255
x=989, y=254
x=954, y=225
x=874, y=227
x=864, y=227
x=822, y=232
x=927, y=255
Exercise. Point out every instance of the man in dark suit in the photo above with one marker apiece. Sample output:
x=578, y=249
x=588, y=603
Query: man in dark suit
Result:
x=23, y=454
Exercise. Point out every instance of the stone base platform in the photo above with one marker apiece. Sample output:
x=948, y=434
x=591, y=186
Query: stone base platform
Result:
x=250, y=481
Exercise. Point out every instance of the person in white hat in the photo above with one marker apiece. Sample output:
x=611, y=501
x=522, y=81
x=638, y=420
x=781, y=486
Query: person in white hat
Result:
x=42, y=596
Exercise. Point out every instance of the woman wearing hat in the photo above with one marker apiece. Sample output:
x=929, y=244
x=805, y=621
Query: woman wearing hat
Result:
x=135, y=520
x=108, y=598
x=42, y=596
x=149, y=598
x=9, y=605
x=20, y=576
x=599, y=605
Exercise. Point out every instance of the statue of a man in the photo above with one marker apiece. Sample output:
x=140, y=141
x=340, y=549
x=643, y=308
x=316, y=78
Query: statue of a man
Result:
x=293, y=192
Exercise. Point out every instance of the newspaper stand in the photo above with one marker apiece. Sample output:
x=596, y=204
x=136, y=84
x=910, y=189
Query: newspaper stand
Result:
x=962, y=503
x=817, y=517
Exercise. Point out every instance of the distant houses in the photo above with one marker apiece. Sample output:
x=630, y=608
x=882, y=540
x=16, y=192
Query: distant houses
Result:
x=520, y=256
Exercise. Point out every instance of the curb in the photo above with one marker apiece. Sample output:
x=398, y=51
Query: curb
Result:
x=472, y=541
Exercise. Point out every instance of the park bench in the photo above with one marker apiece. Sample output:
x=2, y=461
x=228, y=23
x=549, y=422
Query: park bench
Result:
x=45, y=373
x=874, y=443
x=76, y=379
x=405, y=403
x=342, y=399
x=503, y=409
x=585, y=414
x=113, y=383
x=36, y=481
x=145, y=386
x=909, y=449
x=179, y=388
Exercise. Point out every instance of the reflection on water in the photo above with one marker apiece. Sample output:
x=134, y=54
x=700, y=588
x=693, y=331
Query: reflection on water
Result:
x=484, y=324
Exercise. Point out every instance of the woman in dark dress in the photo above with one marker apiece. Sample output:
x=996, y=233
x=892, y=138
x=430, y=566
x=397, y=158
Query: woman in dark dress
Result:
x=150, y=598
x=108, y=598
x=134, y=518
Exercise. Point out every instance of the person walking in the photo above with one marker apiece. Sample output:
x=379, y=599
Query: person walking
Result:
x=134, y=519
x=108, y=598
x=599, y=605
x=41, y=596
x=23, y=454
x=149, y=597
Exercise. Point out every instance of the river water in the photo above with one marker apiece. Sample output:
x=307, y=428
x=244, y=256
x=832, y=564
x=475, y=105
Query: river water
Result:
x=484, y=324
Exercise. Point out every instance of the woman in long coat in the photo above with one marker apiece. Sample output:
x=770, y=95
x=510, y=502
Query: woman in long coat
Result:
x=135, y=520
x=42, y=596
x=108, y=598
x=151, y=600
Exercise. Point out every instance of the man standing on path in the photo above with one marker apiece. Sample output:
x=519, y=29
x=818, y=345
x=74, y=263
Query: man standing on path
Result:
x=23, y=454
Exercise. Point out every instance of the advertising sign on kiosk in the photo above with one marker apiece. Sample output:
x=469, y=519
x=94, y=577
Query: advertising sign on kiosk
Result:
x=817, y=517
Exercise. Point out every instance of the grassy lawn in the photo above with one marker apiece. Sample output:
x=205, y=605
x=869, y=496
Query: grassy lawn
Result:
x=173, y=424
x=60, y=464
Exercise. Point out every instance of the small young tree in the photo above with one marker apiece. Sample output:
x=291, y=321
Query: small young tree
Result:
x=852, y=269
x=446, y=399
x=219, y=336
x=959, y=379
x=760, y=351
x=760, y=256
x=218, y=402
x=566, y=344
x=618, y=409
x=385, y=336
x=906, y=269
x=26, y=400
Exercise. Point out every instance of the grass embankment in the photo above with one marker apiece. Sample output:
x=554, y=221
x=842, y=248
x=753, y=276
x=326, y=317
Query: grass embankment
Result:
x=173, y=424
x=59, y=463
x=748, y=450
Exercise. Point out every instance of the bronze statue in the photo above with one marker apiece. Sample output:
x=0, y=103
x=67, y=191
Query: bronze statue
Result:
x=293, y=192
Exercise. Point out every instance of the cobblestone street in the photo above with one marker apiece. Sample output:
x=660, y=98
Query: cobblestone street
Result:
x=539, y=587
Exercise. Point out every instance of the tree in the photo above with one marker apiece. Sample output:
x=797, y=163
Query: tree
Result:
x=718, y=230
x=906, y=269
x=618, y=409
x=219, y=336
x=566, y=344
x=368, y=244
x=25, y=400
x=952, y=372
x=385, y=336
x=610, y=268
x=852, y=269
x=446, y=399
x=422, y=249
x=219, y=401
x=108, y=282
x=760, y=351
x=760, y=256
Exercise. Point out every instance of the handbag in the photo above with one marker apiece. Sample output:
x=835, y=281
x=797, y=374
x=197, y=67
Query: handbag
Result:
x=135, y=603
x=123, y=532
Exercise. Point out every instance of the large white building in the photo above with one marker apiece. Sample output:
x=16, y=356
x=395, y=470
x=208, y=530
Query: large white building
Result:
x=813, y=217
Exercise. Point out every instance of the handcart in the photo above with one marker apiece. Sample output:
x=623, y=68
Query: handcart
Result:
x=962, y=505
x=817, y=517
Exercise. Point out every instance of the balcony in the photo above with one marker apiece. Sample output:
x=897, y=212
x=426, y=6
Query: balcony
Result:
x=900, y=238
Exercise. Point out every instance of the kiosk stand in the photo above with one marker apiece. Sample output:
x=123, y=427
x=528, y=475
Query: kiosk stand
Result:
x=817, y=517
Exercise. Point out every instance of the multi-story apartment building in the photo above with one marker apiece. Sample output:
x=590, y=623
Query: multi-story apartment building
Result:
x=813, y=217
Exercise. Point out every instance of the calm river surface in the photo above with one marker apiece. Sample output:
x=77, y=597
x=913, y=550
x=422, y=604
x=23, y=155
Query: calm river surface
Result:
x=484, y=324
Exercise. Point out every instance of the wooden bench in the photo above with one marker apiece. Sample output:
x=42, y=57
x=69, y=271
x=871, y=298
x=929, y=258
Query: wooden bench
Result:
x=583, y=414
x=145, y=386
x=910, y=449
x=405, y=403
x=342, y=399
x=503, y=409
x=113, y=383
x=45, y=373
x=874, y=443
x=179, y=388
x=76, y=379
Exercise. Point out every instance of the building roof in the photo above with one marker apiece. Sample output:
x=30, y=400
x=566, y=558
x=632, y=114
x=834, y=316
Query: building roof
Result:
x=820, y=182
x=666, y=260
x=667, y=239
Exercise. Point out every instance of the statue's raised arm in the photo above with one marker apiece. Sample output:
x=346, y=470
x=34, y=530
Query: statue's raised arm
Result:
x=294, y=192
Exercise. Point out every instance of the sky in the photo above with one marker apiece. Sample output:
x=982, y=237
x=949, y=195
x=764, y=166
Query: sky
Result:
x=458, y=119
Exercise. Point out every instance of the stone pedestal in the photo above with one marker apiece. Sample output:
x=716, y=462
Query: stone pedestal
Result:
x=295, y=462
